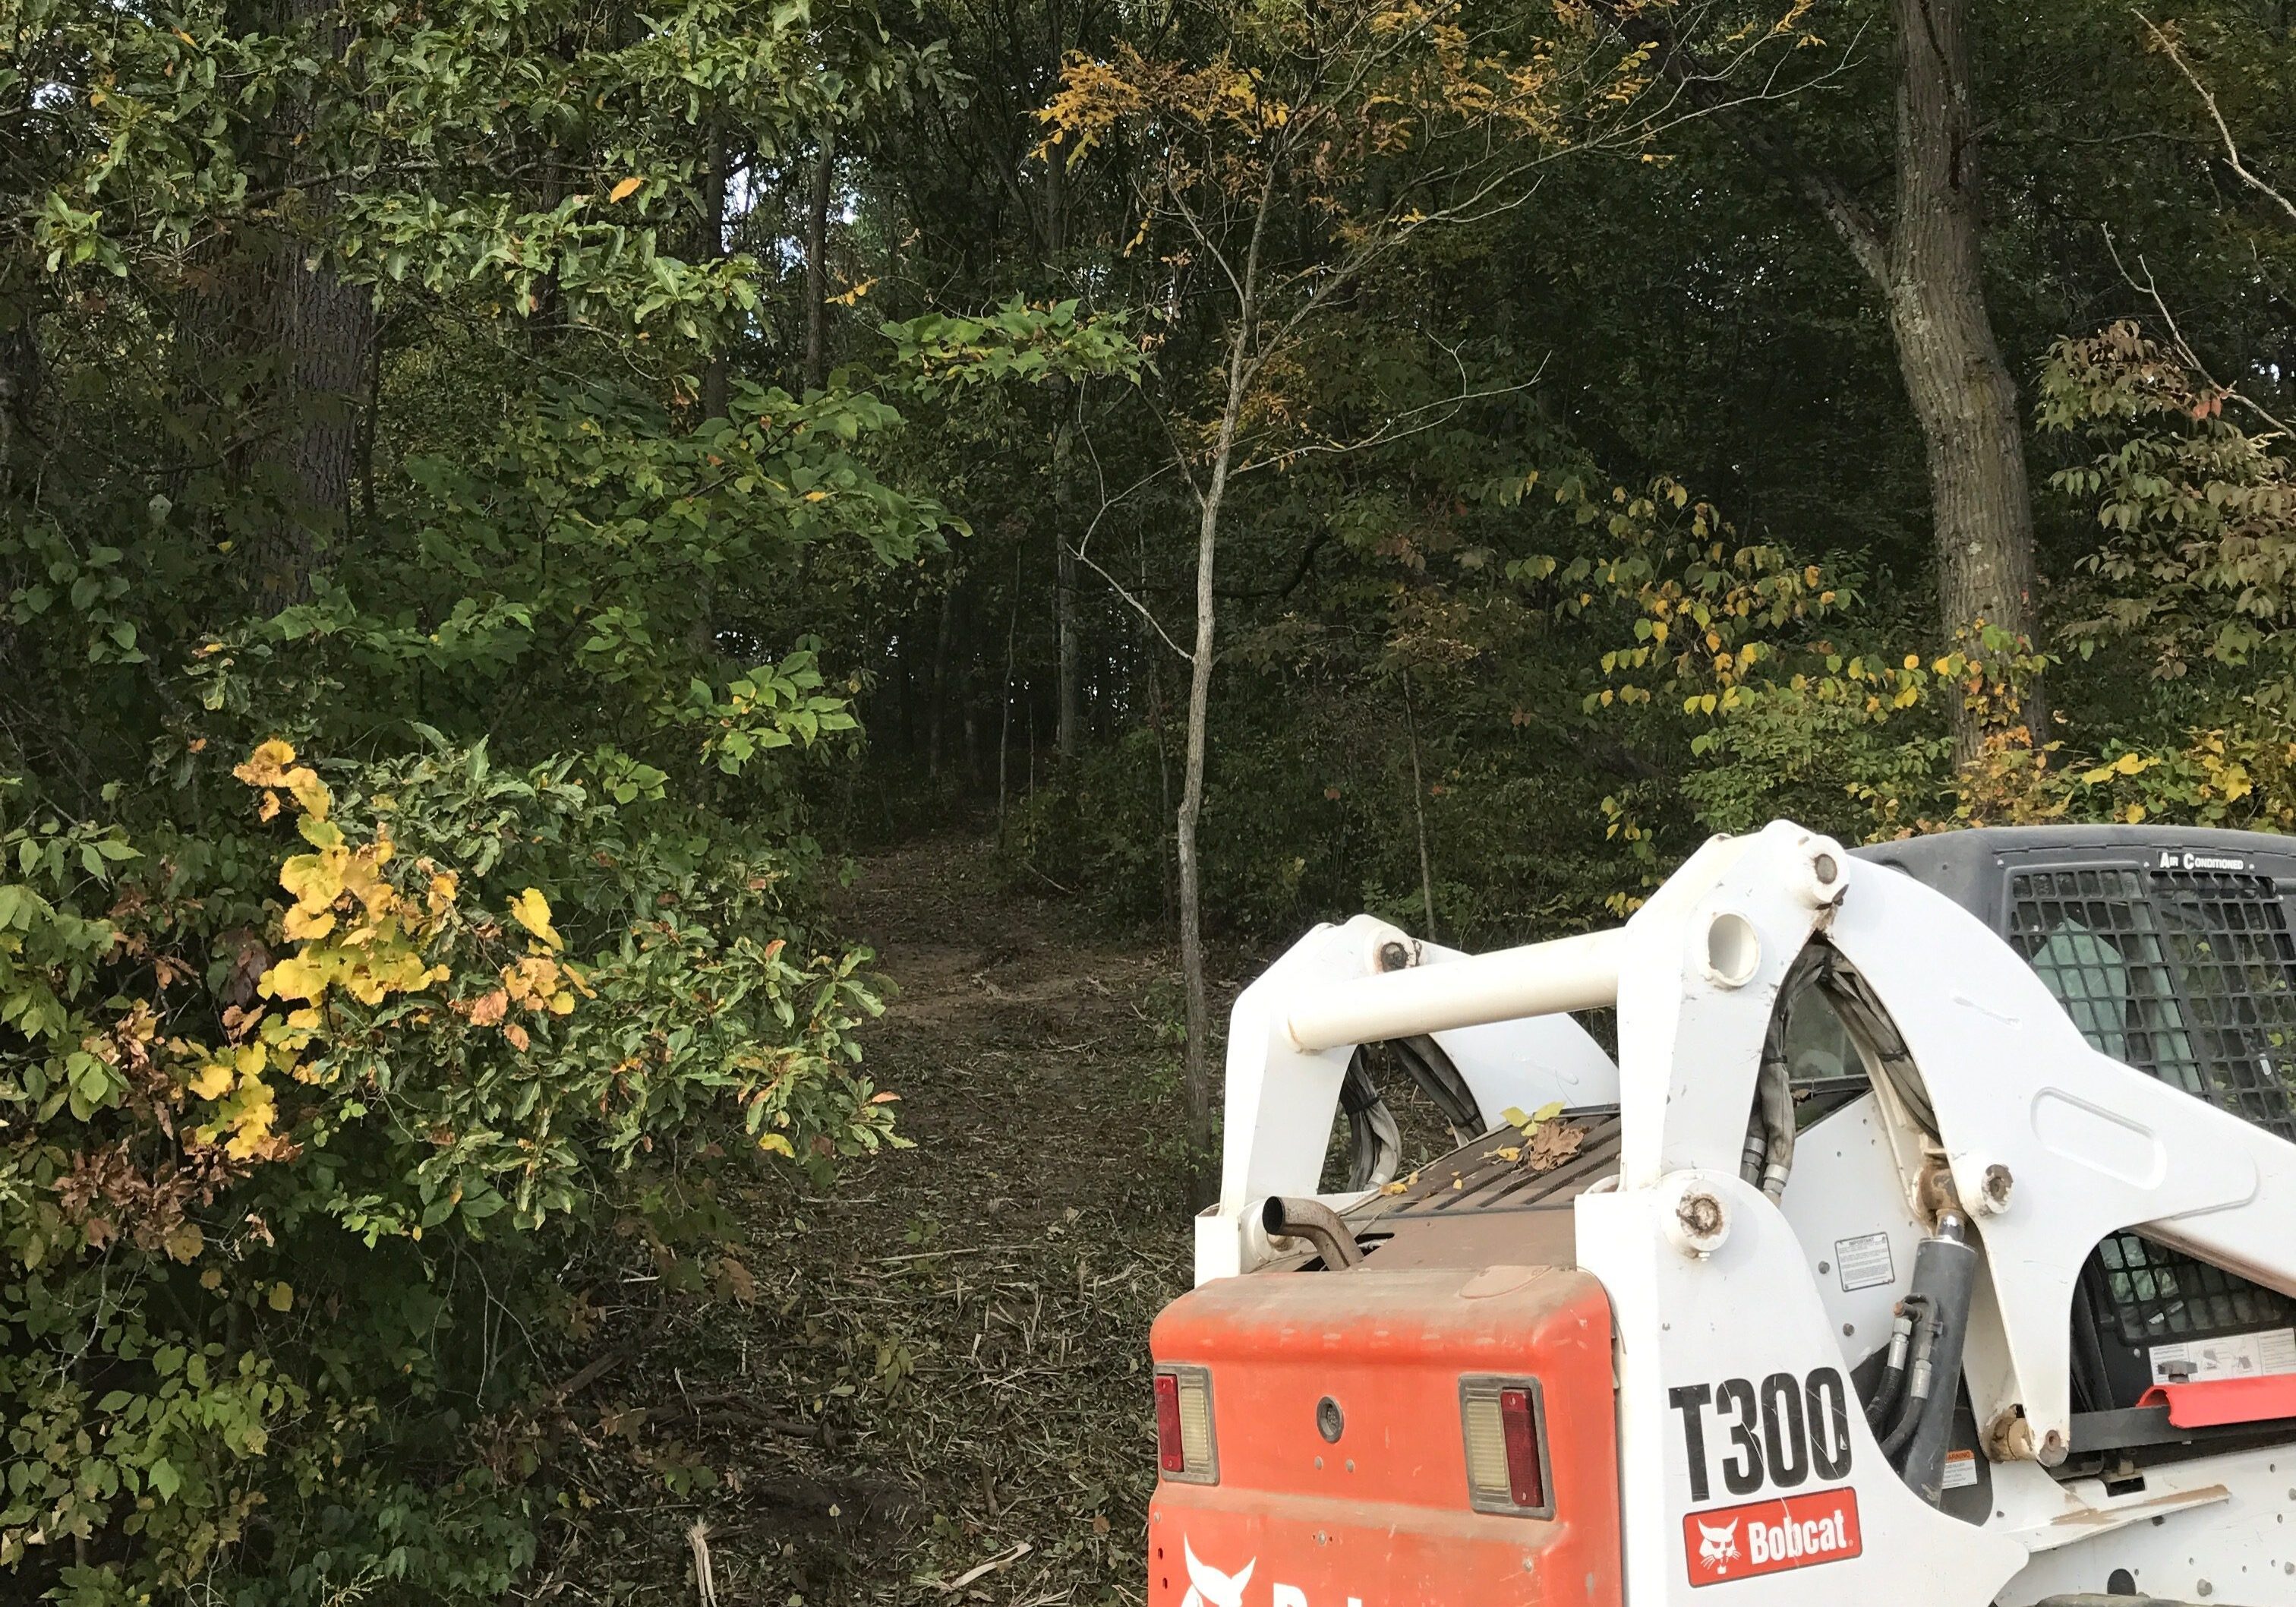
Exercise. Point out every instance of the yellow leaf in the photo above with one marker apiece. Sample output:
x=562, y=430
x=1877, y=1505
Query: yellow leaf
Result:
x=310, y=792
x=303, y=926
x=2130, y=764
x=214, y=1080
x=266, y=767
x=185, y=1242
x=626, y=189
x=281, y=1297
x=299, y=977
x=531, y=910
x=778, y=1144
x=211, y=1279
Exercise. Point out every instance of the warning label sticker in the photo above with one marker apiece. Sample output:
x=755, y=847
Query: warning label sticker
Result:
x=1864, y=1261
x=1960, y=1469
x=1770, y=1536
x=2235, y=1356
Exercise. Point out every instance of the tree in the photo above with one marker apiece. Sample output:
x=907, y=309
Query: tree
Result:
x=1302, y=148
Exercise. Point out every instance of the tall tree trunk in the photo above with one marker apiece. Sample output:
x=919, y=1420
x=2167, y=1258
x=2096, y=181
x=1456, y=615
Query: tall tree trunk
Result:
x=1961, y=391
x=937, y=710
x=1068, y=400
x=1419, y=812
x=701, y=632
x=816, y=266
x=1202, y=1186
x=1068, y=732
x=716, y=376
x=1005, y=721
x=1927, y=267
x=322, y=332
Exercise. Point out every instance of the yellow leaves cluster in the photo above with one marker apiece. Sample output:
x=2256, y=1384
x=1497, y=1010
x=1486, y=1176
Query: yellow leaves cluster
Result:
x=246, y=1106
x=271, y=767
x=540, y=983
x=2127, y=764
x=374, y=956
x=1099, y=95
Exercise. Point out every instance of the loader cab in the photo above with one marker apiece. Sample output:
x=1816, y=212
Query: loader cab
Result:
x=2171, y=950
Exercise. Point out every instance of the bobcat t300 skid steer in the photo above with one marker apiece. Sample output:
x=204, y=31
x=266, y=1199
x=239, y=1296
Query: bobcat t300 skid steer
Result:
x=1930, y=1239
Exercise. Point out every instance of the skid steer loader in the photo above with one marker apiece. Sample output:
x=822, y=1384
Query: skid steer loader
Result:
x=1929, y=1239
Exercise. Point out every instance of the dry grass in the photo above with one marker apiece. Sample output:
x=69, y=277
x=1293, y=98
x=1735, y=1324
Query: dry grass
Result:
x=938, y=1393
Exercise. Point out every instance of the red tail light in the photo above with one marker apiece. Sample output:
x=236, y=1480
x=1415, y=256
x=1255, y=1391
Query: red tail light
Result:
x=1526, y=1481
x=1505, y=1430
x=1171, y=1456
x=1186, y=1448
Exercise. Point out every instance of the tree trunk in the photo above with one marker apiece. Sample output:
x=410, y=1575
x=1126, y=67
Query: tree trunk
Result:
x=1960, y=387
x=1419, y=812
x=1928, y=270
x=937, y=710
x=1201, y=1186
x=716, y=376
x=816, y=266
x=1004, y=723
x=1068, y=732
x=1068, y=400
x=322, y=332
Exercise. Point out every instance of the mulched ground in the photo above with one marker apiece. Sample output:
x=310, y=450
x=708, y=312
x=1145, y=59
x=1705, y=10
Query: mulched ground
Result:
x=938, y=1388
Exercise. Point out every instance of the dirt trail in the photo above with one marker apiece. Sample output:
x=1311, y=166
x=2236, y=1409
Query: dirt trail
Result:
x=944, y=1372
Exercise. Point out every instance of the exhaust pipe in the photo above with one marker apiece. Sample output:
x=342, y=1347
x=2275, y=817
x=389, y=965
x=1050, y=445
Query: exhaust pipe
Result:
x=1285, y=1218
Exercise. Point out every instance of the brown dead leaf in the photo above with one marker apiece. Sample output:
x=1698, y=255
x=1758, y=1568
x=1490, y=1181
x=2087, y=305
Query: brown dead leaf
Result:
x=1551, y=1144
x=487, y=1010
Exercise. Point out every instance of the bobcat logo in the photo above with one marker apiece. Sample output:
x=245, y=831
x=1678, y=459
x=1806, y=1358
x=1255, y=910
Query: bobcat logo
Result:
x=1208, y=1587
x=1718, y=1547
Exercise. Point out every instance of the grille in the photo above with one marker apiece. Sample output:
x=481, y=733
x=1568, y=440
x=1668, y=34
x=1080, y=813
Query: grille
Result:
x=2160, y=1295
x=2185, y=975
x=1476, y=1178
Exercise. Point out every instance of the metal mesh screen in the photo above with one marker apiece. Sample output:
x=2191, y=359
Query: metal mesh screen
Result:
x=2186, y=975
x=2228, y=940
x=2158, y=1294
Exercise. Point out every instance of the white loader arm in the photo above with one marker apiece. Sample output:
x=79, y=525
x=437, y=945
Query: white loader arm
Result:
x=1294, y=1028
x=2052, y=1145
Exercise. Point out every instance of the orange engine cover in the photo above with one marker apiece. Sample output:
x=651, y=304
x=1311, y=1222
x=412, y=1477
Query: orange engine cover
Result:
x=1382, y=1517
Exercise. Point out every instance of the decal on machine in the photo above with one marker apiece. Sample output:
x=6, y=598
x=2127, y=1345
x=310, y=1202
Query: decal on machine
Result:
x=1770, y=1536
x=1208, y=1586
x=1785, y=1430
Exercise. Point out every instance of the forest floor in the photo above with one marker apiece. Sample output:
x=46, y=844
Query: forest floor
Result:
x=937, y=1390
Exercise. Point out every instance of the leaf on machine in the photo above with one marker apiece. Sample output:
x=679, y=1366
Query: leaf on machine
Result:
x=1551, y=1144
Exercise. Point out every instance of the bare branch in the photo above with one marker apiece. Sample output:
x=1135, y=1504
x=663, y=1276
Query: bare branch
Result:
x=2184, y=352
x=2167, y=48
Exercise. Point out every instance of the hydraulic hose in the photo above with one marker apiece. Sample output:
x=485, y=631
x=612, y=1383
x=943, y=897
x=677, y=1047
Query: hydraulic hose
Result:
x=1375, y=1141
x=1945, y=1270
x=1918, y=1377
x=1767, y=1161
x=1880, y=1410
